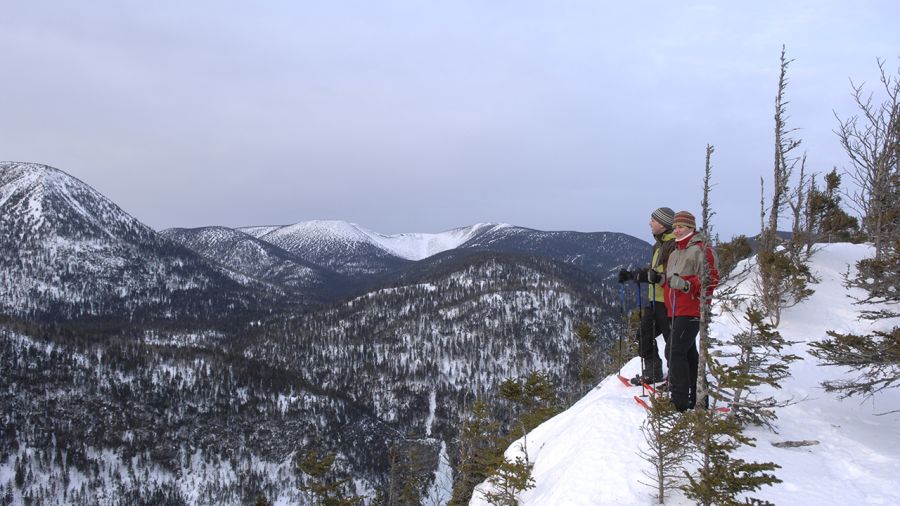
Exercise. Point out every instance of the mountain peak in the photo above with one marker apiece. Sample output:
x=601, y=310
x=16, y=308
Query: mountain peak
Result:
x=44, y=198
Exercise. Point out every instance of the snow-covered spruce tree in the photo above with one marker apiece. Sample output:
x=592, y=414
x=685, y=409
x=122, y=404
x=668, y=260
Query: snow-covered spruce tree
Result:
x=720, y=478
x=782, y=279
x=510, y=478
x=668, y=446
x=753, y=358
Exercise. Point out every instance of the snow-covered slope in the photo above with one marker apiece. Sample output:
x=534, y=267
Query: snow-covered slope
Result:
x=419, y=246
x=588, y=455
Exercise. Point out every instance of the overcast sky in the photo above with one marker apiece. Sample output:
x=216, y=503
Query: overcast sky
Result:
x=421, y=116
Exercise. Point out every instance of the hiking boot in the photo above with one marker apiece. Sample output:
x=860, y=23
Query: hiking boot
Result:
x=653, y=374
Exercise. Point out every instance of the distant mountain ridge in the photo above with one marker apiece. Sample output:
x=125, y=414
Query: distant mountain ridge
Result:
x=346, y=246
x=84, y=256
x=259, y=259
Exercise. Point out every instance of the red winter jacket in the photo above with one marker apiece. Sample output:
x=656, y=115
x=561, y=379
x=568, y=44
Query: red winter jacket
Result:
x=687, y=261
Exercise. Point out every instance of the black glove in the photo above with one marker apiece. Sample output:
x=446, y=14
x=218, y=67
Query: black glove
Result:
x=625, y=275
x=654, y=276
x=676, y=282
x=640, y=276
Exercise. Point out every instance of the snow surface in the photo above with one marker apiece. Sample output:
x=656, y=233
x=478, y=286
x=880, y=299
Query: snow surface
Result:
x=588, y=455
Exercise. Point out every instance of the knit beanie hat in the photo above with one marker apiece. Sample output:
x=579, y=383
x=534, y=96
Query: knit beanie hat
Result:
x=684, y=219
x=663, y=216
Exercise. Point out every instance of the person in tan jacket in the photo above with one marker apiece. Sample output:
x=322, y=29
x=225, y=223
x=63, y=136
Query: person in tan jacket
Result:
x=682, y=297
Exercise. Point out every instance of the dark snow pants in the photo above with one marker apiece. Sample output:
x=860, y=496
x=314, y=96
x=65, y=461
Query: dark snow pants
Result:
x=683, y=361
x=654, y=321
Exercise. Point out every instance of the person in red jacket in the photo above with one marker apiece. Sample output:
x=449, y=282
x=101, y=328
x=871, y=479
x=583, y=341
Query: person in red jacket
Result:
x=683, y=287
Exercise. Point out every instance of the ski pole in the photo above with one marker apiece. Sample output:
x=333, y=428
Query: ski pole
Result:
x=621, y=353
x=640, y=336
x=672, y=336
x=653, y=326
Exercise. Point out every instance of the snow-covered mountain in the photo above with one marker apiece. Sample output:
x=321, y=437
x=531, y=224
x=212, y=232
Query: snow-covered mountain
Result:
x=602, y=253
x=321, y=234
x=588, y=455
x=243, y=253
x=337, y=245
x=352, y=249
x=67, y=251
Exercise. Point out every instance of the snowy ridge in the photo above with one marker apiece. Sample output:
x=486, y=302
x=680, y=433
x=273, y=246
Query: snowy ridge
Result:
x=420, y=246
x=587, y=455
x=410, y=246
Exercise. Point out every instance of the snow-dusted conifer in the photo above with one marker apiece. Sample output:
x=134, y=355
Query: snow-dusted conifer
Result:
x=668, y=447
x=752, y=358
x=720, y=478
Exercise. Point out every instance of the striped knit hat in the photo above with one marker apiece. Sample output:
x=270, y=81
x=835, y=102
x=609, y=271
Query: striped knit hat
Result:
x=663, y=216
x=684, y=219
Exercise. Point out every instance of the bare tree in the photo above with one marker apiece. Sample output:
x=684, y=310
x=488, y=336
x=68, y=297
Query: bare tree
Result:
x=705, y=309
x=784, y=162
x=871, y=140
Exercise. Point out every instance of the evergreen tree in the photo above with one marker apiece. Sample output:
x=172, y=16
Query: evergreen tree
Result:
x=411, y=468
x=829, y=221
x=783, y=276
x=732, y=252
x=668, y=446
x=755, y=357
x=480, y=452
x=510, y=478
x=534, y=401
x=875, y=356
x=720, y=478
x=587, y=357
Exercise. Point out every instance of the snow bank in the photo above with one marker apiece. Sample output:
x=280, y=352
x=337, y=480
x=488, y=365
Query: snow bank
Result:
x=588, y=455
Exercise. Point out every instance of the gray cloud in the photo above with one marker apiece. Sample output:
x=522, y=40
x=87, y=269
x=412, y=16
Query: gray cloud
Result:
x=412, y=116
